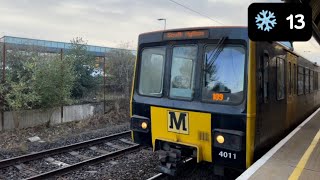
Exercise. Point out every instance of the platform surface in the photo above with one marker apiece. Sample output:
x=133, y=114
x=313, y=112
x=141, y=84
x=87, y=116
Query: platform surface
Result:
x=297, y=156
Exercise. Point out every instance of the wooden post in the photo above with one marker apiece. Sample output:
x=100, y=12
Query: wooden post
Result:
x=3, y=81
x=104, y=85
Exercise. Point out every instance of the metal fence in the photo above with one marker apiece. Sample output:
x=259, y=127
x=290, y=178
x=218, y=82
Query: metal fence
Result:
x=36, y=77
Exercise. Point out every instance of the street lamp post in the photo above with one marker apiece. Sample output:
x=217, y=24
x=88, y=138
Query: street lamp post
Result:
x=165, y=22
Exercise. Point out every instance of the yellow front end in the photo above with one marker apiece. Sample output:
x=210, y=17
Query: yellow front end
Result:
x=183, y=127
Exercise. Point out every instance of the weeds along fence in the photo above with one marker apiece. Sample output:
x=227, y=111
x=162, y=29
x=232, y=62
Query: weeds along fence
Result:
x=60, y=82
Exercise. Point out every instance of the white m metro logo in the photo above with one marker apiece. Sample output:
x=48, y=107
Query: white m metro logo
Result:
x=178, y=122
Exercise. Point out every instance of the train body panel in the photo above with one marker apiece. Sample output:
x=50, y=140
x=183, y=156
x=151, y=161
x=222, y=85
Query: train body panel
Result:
x=279, y=112
x=186, y=127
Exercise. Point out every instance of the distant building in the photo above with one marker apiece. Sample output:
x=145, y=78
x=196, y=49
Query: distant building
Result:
x=18, y=43
x=51, y=46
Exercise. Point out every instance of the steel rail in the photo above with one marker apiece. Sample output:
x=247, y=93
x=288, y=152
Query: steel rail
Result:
x=157, y=176
x=59, y=150
x=91, y=161
x=162, y=175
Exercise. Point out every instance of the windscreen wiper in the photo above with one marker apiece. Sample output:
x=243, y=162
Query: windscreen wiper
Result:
x=216, y=53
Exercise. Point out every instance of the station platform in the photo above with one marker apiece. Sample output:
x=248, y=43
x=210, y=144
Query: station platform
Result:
x=297, y=156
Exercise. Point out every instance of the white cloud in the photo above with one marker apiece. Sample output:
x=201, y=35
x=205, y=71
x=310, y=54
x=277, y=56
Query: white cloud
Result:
x=230, y=1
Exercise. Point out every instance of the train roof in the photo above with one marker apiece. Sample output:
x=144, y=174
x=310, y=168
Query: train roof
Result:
x=213, y=32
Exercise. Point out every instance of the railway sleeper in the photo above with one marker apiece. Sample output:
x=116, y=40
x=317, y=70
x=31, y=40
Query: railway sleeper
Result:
x=26, y=170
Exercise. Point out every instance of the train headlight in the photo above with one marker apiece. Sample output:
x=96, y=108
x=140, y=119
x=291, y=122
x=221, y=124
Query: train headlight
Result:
x=144, y=125
x=140, y=124
x=228, y=139
x=220, y=139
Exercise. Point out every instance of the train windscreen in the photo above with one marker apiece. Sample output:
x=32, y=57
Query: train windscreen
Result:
x=223, y=76
x=182, y=71
x=152, y=69
x=222, y=72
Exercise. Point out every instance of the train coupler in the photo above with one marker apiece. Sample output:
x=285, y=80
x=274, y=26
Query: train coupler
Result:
x=170, y=161
x=173, y=156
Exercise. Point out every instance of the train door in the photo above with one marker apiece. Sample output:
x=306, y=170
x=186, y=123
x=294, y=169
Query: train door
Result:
x=291, y=88
x=264, y=108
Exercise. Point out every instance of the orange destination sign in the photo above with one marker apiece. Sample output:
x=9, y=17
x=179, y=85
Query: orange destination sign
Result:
x=196, y=34
x=217, y=97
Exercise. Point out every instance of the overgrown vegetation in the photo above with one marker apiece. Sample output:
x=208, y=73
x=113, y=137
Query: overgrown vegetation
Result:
x=54, y=78
x=19, y=88
x=120, y=64
x=83, y=63
x=36, y=79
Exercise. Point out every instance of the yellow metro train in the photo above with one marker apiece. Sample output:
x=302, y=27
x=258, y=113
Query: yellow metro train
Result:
x=212, y=94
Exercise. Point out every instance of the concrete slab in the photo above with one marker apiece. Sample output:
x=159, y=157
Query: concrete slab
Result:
x=273, y=169
x=310, y=175
x=34, y=139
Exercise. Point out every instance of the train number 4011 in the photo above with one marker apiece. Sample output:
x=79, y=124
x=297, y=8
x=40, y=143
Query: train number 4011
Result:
x=228, y=155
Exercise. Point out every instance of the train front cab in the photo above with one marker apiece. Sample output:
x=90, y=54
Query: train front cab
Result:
x=221, y=133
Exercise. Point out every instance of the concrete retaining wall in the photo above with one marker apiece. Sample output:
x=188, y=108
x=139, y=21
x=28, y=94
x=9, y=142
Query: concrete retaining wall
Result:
x=79, y=112
x=30, y=118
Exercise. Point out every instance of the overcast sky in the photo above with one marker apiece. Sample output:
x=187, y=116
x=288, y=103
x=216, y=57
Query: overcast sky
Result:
x=111, y=22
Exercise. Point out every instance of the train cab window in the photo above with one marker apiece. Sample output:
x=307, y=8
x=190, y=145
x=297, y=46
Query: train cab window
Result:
x=151, y=71
x=182, y=71
x=280, y=79
x=307, y=81
x=223, y=74
x=300, y=80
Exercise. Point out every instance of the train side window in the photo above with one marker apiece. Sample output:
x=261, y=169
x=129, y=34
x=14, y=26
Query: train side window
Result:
x=311, y=81
x=318, y=82
x=265, y=77
x=315, y=80
x=307, y=81
x=300, y=80
x=290, y=78
x=294, y=79
x=280, y=79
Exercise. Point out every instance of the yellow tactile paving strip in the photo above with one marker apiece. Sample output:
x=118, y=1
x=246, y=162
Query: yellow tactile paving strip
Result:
x=284, y=162
x=312, y=168
x=305, y=158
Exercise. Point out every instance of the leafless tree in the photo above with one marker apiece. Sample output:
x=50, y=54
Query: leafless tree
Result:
x=120, y=64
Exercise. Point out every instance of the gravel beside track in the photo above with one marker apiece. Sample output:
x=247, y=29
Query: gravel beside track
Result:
x=61, y=159
x=138, y=165
x=38, y=146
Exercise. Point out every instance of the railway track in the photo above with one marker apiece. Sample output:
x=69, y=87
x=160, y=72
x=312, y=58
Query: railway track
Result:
x=157, y=176
x=109, y=147
x=187, y=162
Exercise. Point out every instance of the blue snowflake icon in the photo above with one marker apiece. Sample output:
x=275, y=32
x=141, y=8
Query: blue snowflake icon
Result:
x=265, y=22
